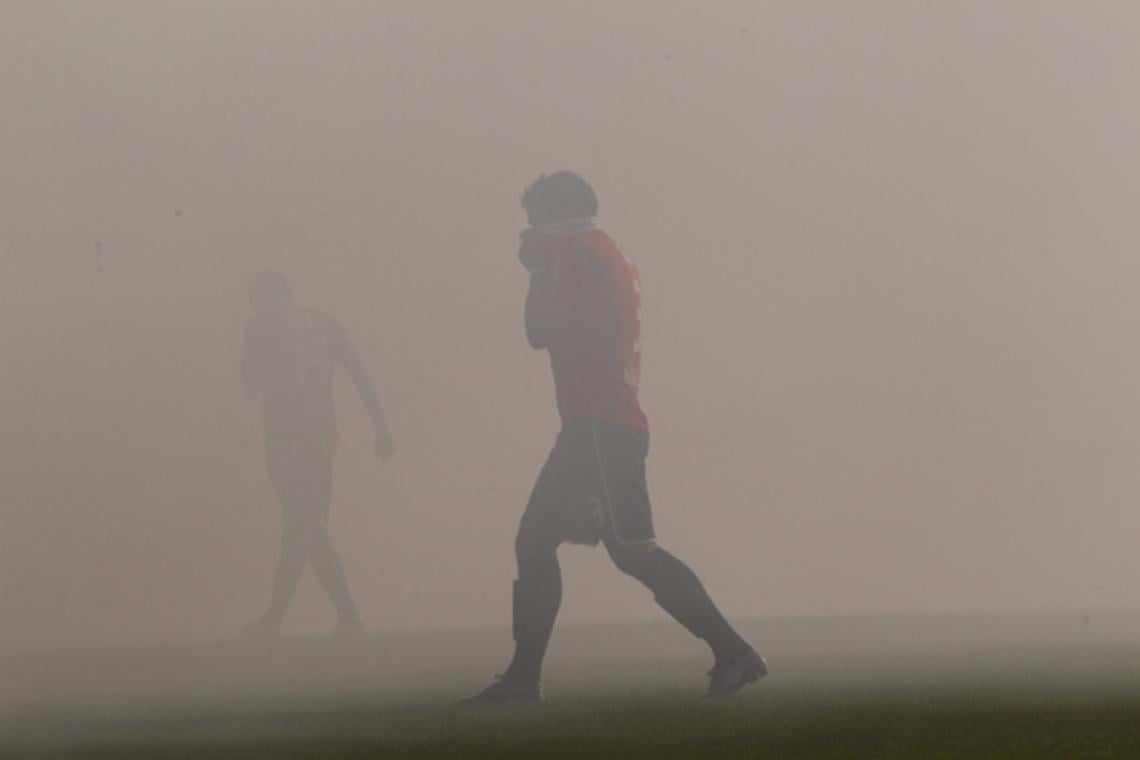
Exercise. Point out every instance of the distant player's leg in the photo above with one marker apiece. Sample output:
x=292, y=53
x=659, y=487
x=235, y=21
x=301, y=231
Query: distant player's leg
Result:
x=286, y=577
x=282, y=462
x=330, y=574
x=536, y=597
x=323, y=557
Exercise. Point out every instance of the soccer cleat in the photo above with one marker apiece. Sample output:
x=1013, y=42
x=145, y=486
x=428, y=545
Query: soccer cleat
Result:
x=727, y=678
x=503, y=691
x=259, y=630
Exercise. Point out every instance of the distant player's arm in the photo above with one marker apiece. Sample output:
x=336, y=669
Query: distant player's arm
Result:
x=350, y=360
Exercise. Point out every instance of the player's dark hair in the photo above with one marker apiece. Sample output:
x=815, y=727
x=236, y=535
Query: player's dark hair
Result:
x=267, y=282
x=562, y=194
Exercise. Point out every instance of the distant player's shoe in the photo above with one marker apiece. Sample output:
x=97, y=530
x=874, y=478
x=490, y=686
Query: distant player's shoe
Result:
x=503, y=691
x=259, y=630
x=349, y=630
x=727, y=678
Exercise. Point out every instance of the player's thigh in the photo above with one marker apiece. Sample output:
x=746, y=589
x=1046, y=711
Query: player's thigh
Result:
x=621, y=455
x=540, y=529
x=301, y=474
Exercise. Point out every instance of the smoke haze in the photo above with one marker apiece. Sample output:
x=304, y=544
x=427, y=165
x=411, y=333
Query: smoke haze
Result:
x=888, y=253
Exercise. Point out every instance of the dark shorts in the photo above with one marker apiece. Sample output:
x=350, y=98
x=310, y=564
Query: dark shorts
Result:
x=592, y=488
x=301, y=468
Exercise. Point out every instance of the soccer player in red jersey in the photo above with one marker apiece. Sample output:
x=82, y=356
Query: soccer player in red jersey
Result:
x=584, y=309
x=289, y=359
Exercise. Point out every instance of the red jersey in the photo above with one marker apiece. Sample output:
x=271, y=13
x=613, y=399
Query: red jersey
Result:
x=584, y=307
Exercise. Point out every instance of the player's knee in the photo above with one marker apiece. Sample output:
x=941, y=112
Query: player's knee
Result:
x=529, y=545
x=525, y=547
x=534, y=555
x=303, y=534
x=630, y=559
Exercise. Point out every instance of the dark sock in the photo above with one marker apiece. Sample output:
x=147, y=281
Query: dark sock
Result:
x=679, y=592
x=537, y=597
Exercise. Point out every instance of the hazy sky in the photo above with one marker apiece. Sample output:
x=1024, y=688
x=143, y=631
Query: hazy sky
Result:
x=891, y=297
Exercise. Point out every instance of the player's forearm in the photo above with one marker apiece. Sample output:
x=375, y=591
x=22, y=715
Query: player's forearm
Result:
x=368, y=396
x=551, y=321
x=536, y=321
x=541, y=261
x=546, y=318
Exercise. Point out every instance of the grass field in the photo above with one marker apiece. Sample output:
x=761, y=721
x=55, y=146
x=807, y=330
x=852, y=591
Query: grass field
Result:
x=976, y=686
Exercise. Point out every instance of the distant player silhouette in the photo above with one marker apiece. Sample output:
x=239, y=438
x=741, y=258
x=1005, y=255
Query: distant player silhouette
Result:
x=584, y=308
x=288, y=361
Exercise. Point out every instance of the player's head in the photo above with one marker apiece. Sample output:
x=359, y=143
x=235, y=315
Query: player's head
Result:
x=559, y=197
x=269, y=293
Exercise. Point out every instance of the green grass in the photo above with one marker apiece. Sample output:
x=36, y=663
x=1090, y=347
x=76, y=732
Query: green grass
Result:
x=942, y=687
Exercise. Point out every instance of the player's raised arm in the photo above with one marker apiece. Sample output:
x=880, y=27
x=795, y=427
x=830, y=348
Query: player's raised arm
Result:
x=542, y=311
x=350, y=360
x=567, y=293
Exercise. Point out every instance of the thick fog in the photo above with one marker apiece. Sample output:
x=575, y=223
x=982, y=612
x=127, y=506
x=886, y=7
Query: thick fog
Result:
x=888, y=252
